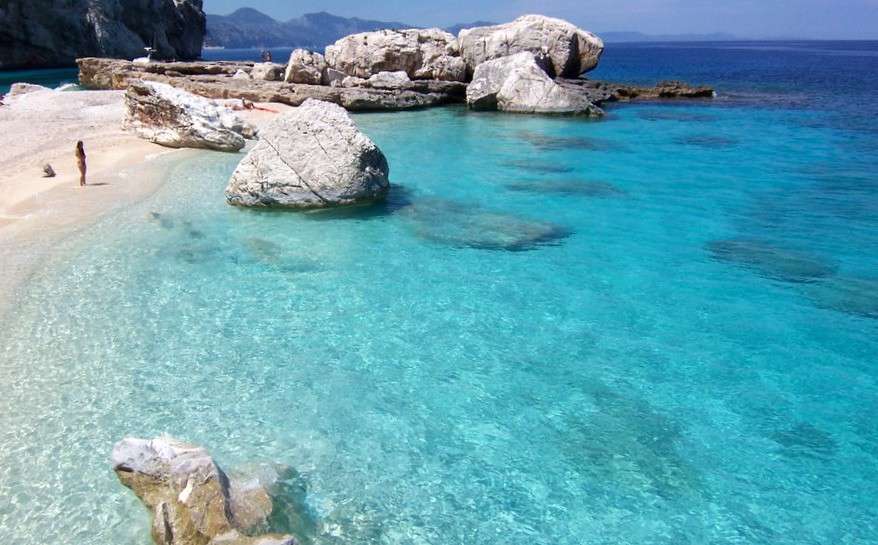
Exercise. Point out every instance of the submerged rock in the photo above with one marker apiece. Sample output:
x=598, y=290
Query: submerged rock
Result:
x=571, y=51
x=427, y=53
x=544, y=168
x=805, y=440
x=518, y=84
x=708, y=141
x=771, y=261
x=463, y=226
x=675, y=114
x=191, y=499
x=851, y=295
x=311, y=157
x=547, y=142
x=174, y=118
x=305, y=67
x=567, y=187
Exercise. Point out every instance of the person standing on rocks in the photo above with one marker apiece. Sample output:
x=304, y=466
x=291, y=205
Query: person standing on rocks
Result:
x=80, y=162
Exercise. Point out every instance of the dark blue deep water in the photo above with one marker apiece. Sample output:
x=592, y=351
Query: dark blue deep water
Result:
x=657, y=328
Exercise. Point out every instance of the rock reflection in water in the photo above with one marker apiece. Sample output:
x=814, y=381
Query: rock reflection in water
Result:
x=398, y=198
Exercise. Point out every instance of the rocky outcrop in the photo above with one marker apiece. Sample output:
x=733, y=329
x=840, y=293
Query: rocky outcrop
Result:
x=519, y=84
x=174, y=118
x=311, y=157
x=217, y=80
x=267, y=71
x=420, y=53
x=305, y=67
x=601, y=92
x=18, y=89
x=390, y=80
x=192, y=500
x=46, y=33
x=572, y=51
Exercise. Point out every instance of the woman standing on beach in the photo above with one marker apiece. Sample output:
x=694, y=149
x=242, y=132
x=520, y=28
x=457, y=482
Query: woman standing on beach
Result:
x=80, y=162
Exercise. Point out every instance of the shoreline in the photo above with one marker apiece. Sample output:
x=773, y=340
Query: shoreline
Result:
x=37, y=214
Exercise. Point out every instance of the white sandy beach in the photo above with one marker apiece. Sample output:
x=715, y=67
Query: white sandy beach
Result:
x=43, y=127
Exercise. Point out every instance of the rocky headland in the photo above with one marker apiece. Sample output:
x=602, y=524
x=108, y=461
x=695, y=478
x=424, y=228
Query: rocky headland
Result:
x=397, y=69
x=47, y=33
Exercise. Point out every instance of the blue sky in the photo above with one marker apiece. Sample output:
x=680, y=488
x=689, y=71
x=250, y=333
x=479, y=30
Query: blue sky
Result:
x=828, y=19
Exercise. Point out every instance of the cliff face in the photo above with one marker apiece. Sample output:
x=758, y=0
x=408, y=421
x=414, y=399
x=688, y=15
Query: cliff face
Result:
x=47, y=33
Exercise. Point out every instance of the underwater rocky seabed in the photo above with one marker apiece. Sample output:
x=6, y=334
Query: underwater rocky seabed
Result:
x=660, y=327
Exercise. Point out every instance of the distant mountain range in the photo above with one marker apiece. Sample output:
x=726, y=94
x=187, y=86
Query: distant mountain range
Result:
x=249, y=28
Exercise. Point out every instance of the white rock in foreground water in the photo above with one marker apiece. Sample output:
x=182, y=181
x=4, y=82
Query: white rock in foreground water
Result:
x=18, y=89
x=311, y=157
x=572, y=50
x=191, y=499
x=519, y=84
x=174, y=118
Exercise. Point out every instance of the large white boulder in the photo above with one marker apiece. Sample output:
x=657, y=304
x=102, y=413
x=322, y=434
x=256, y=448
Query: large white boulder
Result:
x=174, y=118
x=18, y=89
x=311, y=157
x=422, y=53
x=572, y=50
x=267, y=71
x=305, y=67
x=518, y=83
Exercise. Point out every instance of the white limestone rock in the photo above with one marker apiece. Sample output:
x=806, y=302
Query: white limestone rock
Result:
x=192, y=500
x=572, y=50
x=428, y=53
x=174, y=118
x=519, y=84
x=311, y=157
x=390, y=80
x=305, y=67
x=18, y=89
x=267, y=71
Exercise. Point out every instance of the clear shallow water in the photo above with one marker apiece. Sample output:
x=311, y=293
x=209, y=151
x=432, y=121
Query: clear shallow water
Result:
x=658, y=328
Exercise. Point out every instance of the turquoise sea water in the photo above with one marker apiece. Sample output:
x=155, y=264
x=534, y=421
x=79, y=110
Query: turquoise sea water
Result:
x=49, y=78
x=656, y=328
